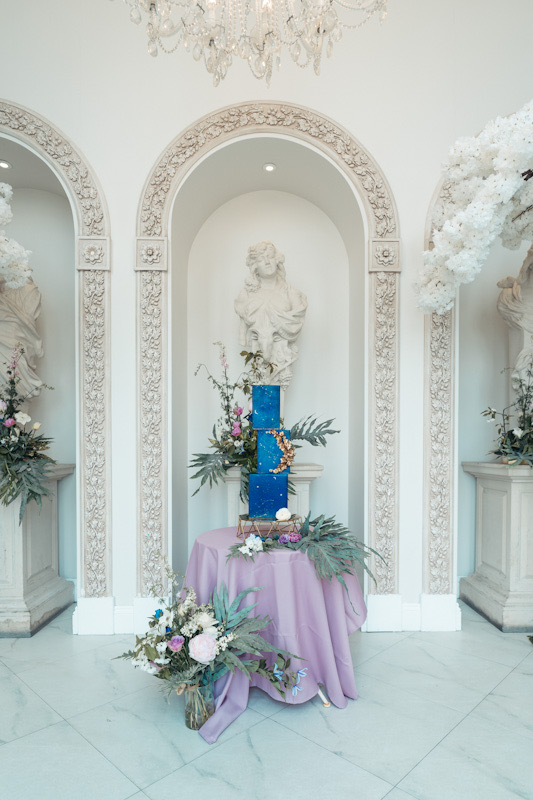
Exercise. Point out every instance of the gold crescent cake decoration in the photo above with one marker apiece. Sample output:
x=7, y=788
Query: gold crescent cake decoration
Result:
x=287, y=451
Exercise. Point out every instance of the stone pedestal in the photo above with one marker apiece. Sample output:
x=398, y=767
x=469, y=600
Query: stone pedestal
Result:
x=301, y=476
x=31, y=591
x=501, y=588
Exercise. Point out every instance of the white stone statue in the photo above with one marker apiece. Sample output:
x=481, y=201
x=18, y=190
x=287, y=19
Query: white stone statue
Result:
x=19, y=309
x=272, y=312
x=515, y=304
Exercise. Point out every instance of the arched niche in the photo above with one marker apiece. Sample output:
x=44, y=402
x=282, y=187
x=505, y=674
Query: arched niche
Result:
x=382, y=264
x=91, y=260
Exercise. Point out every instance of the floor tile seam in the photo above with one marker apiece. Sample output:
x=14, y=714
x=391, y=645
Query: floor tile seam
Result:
x=527, y=736
x=51, y=662
x=419, y=696
x=337, y=755
x=212, y=747
x=94, y=747
x=46, y=703
x=106, y=703
x=483, y=658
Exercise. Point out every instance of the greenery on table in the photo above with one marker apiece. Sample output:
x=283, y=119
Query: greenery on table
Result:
x=189, y=644
x=515, y=443
x=329, y=544
x=234, y=441
x=24, y=467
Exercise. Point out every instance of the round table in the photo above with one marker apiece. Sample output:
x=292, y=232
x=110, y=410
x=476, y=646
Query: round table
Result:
x=312, y=618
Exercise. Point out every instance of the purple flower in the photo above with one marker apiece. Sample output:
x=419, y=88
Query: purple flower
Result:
x=9, y=422
x=295, y=537
x=284, y=538
x=176, y=643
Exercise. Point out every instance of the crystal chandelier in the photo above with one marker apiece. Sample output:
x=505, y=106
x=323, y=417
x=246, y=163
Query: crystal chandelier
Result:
x=217, y=31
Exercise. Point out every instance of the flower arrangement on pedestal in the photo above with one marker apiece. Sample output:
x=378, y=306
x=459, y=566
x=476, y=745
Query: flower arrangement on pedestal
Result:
x=234, y=441
x=191, y=646
x=487, y=193
x=23, y=463
x=515, y=443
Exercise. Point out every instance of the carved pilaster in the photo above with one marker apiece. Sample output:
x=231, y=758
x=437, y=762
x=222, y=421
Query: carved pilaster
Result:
x=383, y=432
x=153, y=433
x=439, y=453
x=95, y=434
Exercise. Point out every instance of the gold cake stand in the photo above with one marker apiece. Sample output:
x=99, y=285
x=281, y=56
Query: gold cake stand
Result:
x=266, y=527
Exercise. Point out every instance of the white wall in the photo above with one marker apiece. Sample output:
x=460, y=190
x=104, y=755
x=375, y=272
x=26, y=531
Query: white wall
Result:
x=42, y=223
x=432, y=72
x=316, y=262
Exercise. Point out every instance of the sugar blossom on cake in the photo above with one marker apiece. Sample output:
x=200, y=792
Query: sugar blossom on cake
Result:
x=485, y=196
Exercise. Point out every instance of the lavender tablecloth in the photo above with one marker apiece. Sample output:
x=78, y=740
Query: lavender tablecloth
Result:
x=311, y=618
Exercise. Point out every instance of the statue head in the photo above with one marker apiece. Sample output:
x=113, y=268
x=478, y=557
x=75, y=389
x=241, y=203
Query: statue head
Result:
x=264, y=261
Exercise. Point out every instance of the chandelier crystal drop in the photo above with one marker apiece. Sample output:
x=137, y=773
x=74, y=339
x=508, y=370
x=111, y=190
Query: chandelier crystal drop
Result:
x=217, y=31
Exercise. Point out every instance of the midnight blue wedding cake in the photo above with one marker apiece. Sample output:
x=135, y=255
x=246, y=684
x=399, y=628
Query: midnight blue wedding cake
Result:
x=268, y=487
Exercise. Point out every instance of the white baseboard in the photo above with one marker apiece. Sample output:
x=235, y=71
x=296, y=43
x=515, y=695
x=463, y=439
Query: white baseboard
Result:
x=94, y=615
x=434, y=612
x=123, y=619
x=439, y=612
x=384, y=613
x=143, y=608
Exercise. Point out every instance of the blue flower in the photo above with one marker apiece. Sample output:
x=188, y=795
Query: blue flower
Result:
x=167, y=629
x=158, y=613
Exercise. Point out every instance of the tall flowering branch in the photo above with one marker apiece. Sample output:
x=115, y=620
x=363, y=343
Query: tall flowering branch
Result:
x=488, y=194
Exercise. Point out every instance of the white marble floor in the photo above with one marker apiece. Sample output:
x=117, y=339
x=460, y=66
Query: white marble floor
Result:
x=440, y=716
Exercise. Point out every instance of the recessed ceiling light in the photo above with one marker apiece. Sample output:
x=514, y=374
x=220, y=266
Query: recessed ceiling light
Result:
x=4, y=164
x=269, y=167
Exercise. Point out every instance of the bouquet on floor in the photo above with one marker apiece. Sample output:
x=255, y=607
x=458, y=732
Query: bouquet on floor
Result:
x=191, y=646
x=23, y=463
x=234, y=441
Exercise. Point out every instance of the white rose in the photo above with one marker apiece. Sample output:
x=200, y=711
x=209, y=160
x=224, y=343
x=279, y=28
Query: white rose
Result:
x=36, y=426
x=22, y=418
x=205, y=620
x=283, y=514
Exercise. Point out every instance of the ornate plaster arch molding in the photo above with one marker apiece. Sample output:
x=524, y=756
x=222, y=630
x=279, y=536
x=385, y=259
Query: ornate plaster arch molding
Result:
x=439, y=427
x=383, y=263
x=93, y=263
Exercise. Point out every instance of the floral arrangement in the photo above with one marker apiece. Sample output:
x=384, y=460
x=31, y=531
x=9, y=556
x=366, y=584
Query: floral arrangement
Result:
x=487, y=194
x=23, y=463
x=515, y=443
x=14, y=267
x=331, y=547
x=234, y=441
x=190, y=645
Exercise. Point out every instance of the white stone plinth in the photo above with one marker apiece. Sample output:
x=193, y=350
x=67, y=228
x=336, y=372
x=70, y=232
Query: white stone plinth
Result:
x=31, y=591
x=501, y=588
x=301, y=476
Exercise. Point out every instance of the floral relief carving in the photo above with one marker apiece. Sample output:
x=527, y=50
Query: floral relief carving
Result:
x=383, y=432
x=293, y=119
x=93, y=254
x=439, y=441
x=385, y=256
x=94, y=433
x=68, y=162
x=152, y=544
x=151, y=254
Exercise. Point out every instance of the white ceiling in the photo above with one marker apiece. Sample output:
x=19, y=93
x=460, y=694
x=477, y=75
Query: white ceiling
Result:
x=28, y=171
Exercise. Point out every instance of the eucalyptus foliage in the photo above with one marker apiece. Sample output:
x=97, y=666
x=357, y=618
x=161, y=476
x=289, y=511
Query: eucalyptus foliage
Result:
x=234, y=441
x=329, y=544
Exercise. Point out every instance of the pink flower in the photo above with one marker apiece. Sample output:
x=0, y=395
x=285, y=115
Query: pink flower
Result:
x=236, y=429
x=176, y=643
x=237, y=411
x=295, y=537
x=203, y=648
x=9, y=422
x=3, y=405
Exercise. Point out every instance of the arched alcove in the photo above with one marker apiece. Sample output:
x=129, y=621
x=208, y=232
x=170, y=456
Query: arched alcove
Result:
x=43, y=223
x=381, y=269
x=91, y=262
